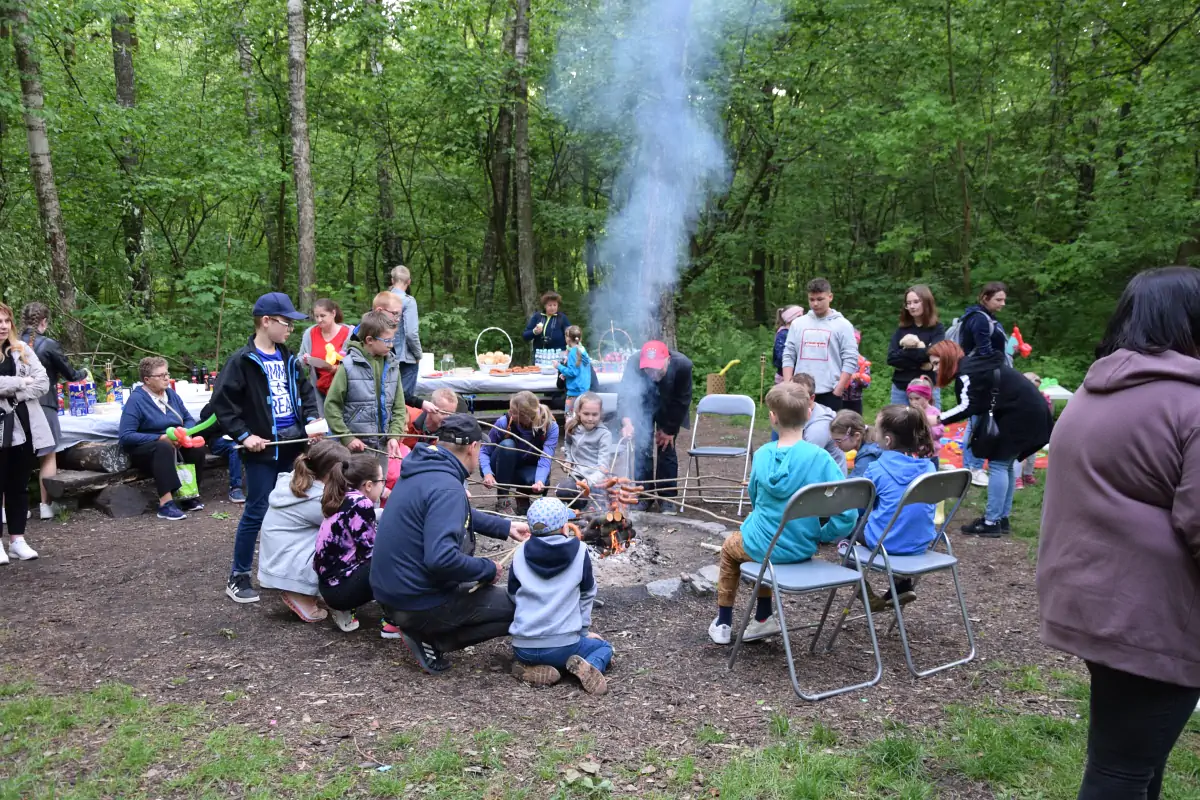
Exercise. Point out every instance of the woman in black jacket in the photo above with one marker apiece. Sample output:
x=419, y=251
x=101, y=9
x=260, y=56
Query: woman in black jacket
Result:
x=1022, y=419
x=35, y=319
x=908, y=353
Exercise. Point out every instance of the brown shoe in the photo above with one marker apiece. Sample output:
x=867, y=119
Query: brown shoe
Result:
x=539, y=675
x=592, y=679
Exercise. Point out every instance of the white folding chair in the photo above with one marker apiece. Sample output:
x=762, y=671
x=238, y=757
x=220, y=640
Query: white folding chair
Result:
x=720, y=405
x=814, y=575
x=931, y=488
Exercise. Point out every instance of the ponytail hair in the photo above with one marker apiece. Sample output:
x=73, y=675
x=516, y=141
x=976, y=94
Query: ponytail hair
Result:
x=362, y=467
x=850, y=423
x=906, y=429
x=573, y=422
x=525, y=404
x=574, y=337
x=317, y=464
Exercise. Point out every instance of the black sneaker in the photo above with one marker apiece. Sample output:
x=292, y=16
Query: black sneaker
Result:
x=240, y=590
x=1005, y=526
x=981, y=527
x=430, y=659
x=191, y=504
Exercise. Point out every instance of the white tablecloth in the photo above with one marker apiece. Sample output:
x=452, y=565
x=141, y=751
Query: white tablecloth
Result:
x=103, y=424
x=1058, y=393
x=483, y=383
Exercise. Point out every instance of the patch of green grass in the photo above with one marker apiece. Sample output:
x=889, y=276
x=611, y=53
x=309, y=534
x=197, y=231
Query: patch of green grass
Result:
x=707, y=734
x=823, y=736
x=1027, y=679
x=779, y=725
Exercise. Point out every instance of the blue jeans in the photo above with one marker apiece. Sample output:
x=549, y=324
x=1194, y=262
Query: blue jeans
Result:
x=1001, y=485
x=596, y=652
x=900, y=397
x=408, y=381
x=513, y=467
x=224, y=446
x=969, y=459
x=260, y=480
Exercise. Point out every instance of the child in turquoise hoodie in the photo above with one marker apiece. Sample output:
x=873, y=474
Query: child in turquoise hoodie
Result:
x=907, y=444
x=780, y=469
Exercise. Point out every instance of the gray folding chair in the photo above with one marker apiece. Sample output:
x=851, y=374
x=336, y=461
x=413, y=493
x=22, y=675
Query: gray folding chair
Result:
x=931, y=488
x=814, y=575
x=720, y=405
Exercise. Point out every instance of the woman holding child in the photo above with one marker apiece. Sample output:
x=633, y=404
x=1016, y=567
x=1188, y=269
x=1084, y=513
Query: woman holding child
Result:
x=1118, y=572
x=908, y=352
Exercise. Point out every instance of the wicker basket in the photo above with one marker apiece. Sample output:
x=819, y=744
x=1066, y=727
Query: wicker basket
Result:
x=487, y=367
x=715, y=383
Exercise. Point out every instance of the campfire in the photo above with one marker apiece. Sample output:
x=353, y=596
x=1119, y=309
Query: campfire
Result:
x=611, y=531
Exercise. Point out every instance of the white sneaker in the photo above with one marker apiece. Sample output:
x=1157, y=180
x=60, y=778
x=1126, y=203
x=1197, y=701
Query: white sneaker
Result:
x=720, y=634
x=979, y=477
x=761, y=630
x=345, y=620
x=20, y=549
x=46, y=511
x=3, y=557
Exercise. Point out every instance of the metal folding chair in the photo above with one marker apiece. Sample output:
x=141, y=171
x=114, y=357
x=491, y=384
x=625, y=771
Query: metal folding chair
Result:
x=814, y=575
x=931, y=488
x=720, y=405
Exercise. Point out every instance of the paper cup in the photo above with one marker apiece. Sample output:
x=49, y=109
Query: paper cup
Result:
x=317, y=427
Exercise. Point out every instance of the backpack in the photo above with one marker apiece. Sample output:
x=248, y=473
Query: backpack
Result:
x=955, y=331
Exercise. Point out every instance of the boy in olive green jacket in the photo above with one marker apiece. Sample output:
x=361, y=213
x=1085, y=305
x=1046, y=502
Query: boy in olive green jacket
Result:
x=365, y=403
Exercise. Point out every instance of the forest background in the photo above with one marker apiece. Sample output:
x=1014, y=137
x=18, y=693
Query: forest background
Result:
x=209, y=150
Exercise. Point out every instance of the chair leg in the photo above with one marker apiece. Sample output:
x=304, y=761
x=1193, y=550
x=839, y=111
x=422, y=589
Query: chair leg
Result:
x=741, y=629
x=686, y=481
x=962, y=605
x=843, y=689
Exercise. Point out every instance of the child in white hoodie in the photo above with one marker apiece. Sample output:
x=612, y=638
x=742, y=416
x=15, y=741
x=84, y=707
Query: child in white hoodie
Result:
x=552, y=587
x=588, y=448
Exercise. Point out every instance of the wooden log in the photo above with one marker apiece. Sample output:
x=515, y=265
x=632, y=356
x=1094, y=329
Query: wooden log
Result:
x=94, y=457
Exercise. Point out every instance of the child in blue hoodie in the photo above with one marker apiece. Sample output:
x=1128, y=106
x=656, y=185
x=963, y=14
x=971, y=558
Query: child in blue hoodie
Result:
x=552, y=587
x=780, y=470
x=576, y=368
x=907, y=446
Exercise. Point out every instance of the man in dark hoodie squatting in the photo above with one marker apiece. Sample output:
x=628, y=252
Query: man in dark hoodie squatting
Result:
x=424, y=567
x=652, y=402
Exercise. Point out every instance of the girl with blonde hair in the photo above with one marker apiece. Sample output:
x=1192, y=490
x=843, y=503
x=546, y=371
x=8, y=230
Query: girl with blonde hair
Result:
x=520, y=462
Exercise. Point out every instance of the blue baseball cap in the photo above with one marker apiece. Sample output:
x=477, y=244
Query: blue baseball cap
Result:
x=276, y=304
x=547, y=515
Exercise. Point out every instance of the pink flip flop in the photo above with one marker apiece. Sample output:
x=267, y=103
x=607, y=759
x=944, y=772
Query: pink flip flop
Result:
x=320, y=615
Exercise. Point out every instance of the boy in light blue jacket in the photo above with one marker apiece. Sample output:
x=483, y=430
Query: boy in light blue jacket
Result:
x=780, y=469
x=907, y=443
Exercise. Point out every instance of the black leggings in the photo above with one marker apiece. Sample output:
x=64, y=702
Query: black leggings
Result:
x=16, y=464
x=350, y=592
x=1135, y=722
x=158, y=459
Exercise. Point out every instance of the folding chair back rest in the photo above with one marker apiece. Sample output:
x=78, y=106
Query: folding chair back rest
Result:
x=726, y=405
x=934, y=487
x=827, y=500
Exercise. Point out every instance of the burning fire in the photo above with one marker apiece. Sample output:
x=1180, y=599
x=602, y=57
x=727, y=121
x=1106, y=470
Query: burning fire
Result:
x=611, y=532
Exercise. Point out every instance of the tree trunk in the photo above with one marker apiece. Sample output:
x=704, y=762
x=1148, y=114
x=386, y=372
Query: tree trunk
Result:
x=448, y=282
x=42, y=173
x=393, y=250
x=500, y=169
x=306, y=218
x=131, y=211
x=267, y=205
x=521, y=173
x=965, y=239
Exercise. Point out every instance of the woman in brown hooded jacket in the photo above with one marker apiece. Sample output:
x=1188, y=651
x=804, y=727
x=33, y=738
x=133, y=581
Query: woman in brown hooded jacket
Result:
x=1118, y=572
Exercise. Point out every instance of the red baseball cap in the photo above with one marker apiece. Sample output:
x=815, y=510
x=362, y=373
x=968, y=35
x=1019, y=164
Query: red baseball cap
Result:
x=654, y=355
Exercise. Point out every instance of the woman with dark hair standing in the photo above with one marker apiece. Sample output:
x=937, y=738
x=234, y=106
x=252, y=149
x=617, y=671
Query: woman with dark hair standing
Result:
x=35, y=319
x=985, y=339
x=1118, y=572
x=908, y=352
x=987, y=393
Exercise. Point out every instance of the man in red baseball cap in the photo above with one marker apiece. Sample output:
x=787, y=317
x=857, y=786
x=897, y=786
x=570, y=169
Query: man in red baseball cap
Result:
x=653, y=401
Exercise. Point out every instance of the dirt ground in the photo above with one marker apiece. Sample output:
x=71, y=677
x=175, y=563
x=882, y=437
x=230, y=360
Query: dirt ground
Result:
x=141, y=602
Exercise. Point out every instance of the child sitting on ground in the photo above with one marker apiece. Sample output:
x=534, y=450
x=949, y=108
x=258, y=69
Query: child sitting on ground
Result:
x=346, y=538
x=780, y=469
x=907, y=445
x=551, y=585
x=576, y=368
x=850, y=432
x=588, y=448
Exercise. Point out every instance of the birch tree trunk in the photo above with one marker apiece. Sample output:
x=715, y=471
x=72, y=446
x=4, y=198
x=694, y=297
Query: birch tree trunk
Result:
x=306, y=221
x=527, y=280
x=131, y=210
x=266, y=203
x=42, y=172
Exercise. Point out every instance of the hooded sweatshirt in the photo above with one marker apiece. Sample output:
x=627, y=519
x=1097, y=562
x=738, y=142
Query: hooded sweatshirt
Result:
x=590, y=452
x=824, y=347
x=776, y=475
x=288, y=538
x=1118, y=569
x=867, y=455
x=425, y=543
x=913, y=532
x=552, y=587
x=816, y=431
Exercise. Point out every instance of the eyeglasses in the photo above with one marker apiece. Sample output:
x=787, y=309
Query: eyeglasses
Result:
x=160, y=375
x=388, y=341
x=287, y=323
x=838, y=439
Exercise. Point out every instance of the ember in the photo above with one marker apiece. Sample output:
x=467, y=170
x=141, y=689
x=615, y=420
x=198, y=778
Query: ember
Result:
x=611, y=532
